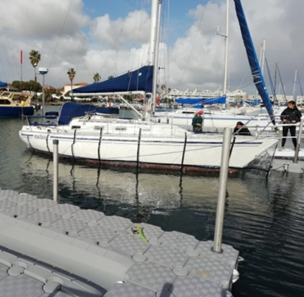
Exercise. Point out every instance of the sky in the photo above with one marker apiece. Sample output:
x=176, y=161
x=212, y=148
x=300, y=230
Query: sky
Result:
x=112, y=37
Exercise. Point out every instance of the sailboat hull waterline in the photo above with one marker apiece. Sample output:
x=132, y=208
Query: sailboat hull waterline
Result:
x=146, y=146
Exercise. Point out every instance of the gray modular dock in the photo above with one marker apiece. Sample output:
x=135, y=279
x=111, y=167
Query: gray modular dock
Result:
x=51, y=249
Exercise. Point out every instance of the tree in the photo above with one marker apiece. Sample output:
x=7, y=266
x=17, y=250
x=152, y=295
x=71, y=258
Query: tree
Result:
x=71, y=73
x=96, y=77
x=35, y=59
x=27, y=85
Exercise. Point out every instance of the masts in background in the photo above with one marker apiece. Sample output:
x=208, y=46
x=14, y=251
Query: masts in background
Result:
x=294, y=86
x=281, y=81
x=262, y=55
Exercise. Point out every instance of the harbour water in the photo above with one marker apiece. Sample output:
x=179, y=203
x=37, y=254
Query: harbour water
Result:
x=263, y=220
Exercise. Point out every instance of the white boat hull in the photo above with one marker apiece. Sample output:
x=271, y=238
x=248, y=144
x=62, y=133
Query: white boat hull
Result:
x=158, y=147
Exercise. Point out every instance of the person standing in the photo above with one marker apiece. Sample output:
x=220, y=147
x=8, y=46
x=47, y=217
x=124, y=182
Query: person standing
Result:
x=290, y=115
x=197, y=122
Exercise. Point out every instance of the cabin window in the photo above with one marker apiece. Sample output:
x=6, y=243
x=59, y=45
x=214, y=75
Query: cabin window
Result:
x=4, y=101
x=76, y=127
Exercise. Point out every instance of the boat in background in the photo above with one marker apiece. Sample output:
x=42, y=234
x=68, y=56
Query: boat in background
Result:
x=16, y=104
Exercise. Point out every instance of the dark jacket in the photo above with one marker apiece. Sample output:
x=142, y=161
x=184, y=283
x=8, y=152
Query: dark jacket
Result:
x=290, y=115
x=197, y=120
x=242, y=131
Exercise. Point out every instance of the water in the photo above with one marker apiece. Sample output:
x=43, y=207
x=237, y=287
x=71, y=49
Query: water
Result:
x=264, y=220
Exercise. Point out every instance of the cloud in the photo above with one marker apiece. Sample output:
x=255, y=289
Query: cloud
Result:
x=67, y=37
x=120, y=33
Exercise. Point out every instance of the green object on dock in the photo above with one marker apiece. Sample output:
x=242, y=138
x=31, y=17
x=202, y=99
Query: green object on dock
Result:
x=139, y=230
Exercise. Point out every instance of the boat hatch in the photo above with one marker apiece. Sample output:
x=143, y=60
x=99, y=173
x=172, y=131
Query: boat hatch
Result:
x=98, y=127
x=121, y=128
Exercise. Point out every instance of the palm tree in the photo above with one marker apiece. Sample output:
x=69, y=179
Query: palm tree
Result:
x=35, y=58
x=71, y=73
x=96, y=77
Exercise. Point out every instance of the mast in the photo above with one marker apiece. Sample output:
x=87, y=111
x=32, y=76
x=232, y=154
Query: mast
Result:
x=153, y=32
x=294, y=85
x=154, y=45
x=226, y=50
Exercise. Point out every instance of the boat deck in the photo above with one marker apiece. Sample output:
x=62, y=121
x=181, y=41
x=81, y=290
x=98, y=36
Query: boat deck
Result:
x=52, y=249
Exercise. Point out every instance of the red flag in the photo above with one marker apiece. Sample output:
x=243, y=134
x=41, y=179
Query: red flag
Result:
x=21, y=52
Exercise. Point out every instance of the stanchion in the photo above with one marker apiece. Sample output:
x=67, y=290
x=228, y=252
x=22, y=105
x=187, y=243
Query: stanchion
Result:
x=55, y=162
x=297, y=149
x=221, y=201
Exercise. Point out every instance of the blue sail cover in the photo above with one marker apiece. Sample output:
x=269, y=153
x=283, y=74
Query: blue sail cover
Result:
x=188, y=100
x=202, y=101
x=71, y=110
x=253, y=60
x=3, y=84
x=137, y=80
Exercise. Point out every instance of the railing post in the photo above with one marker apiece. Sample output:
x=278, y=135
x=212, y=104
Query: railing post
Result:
x=55, y=162
x=221, y=201
x=296, y=155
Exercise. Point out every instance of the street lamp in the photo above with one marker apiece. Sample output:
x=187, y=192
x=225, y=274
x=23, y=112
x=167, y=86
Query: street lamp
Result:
x=43, y=71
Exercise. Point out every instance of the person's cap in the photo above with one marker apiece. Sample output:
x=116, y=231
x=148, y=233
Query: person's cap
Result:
x=200, y=112
x=291, y=101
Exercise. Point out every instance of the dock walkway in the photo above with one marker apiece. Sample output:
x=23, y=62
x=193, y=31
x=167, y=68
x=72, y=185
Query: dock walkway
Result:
x=60, y=250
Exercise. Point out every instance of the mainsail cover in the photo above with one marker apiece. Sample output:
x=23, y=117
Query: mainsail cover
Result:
x=3, y=84
x=253, y=60
x=137, y=80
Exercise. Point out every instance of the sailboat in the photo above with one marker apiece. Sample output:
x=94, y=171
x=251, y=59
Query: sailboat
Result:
x=142, y=144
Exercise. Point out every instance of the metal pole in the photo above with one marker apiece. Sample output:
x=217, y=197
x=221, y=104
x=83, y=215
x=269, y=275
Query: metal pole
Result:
x=296, y=155
x=220, y=211
x=55, y=161
x=43, y=95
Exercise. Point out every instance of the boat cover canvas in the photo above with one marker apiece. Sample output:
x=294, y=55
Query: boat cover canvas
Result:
x=137, y=80
x=71, y=110
x=202, y=101
x=3, y=84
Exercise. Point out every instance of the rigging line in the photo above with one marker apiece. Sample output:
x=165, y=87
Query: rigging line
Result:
x=283, y=89
x=113, y=53
x=270, y=81
x=300, y=85
x=190, y=53
x=2, y=66
x=6, y=52
x=61, y=31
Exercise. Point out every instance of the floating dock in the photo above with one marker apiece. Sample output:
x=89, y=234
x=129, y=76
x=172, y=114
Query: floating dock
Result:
x=51, y=249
